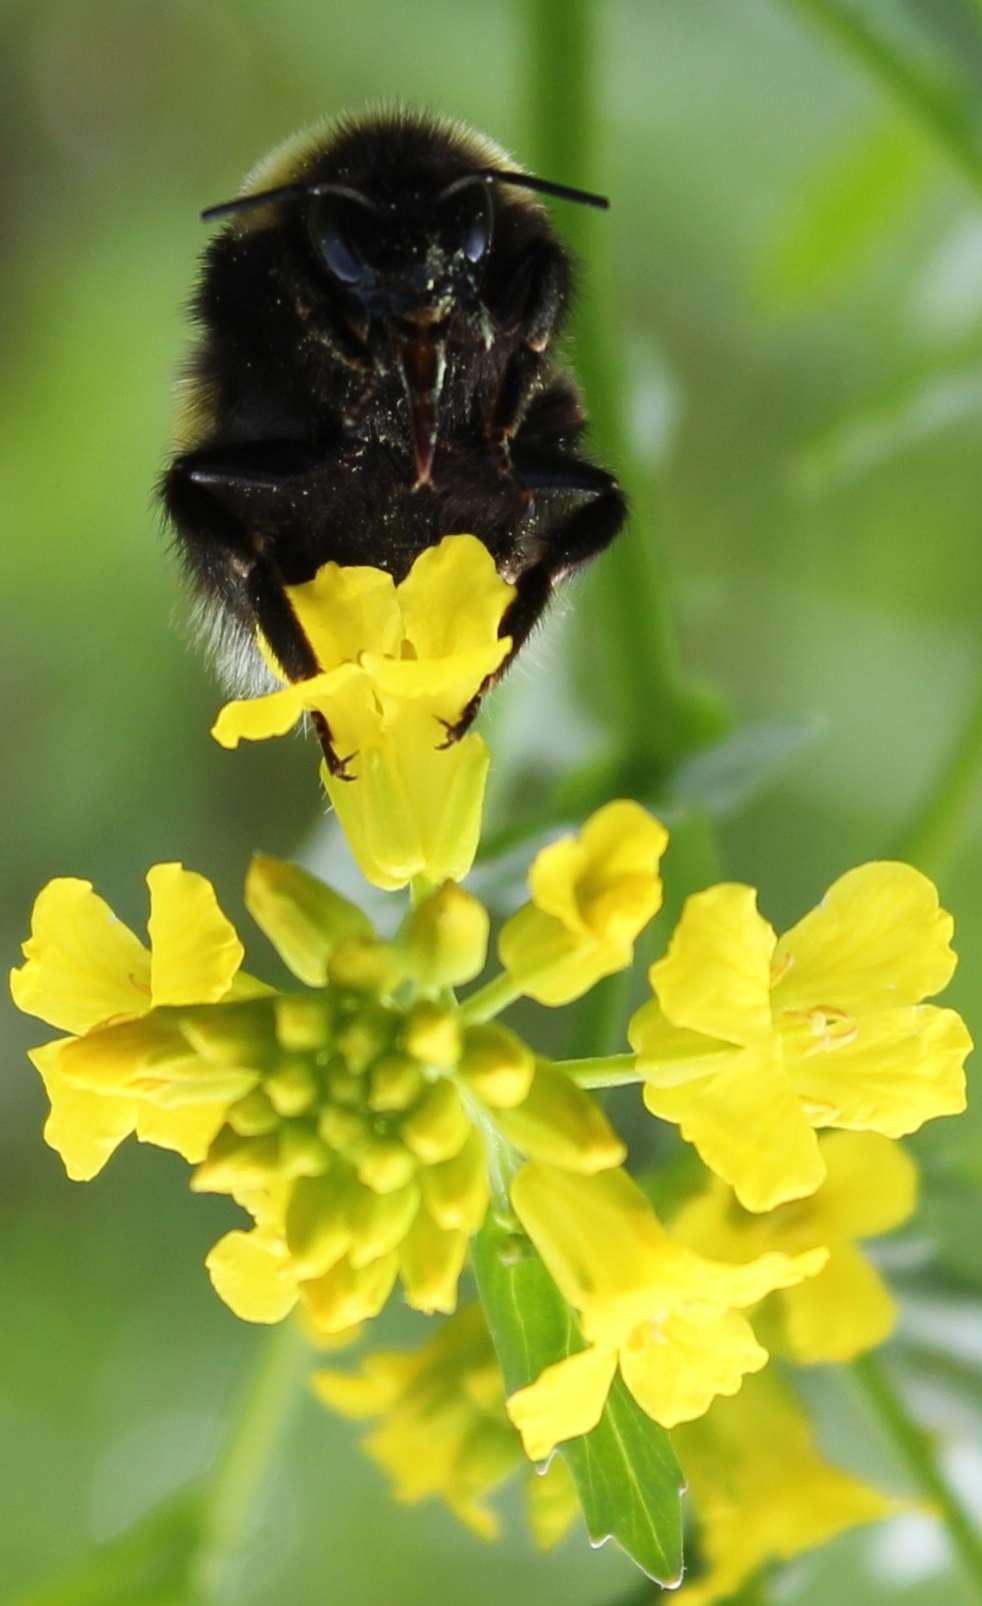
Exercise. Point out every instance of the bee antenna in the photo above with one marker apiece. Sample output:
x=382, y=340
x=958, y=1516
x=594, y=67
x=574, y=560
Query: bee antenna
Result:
x=546, y=186
x=245, y=203
x=285, y=192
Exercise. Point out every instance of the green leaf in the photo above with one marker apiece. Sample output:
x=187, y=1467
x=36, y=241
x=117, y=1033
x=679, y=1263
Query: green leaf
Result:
x=724, y=778
x=626, y=1475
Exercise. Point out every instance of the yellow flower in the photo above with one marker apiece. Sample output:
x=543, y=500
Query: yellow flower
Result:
x=752, y=1042
x=668, y=1317
x=444, y=1430
x=870, y=1187
x=84, y=970
x=759, y=1489
x=591, y=895
x=399, y=665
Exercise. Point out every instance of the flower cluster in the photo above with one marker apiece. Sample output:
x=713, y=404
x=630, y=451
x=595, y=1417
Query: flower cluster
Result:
x=368, y=1120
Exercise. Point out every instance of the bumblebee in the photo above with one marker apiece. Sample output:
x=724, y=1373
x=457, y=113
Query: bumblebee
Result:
x=374, y=368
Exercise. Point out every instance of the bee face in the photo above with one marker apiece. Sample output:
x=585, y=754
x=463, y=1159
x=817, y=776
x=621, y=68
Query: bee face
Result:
x=411, y=259
x=374, y=369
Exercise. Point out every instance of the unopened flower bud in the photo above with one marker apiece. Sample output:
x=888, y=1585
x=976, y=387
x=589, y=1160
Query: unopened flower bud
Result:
x=396, y=1082
x=345, y=1296
x=292, y=1088
x=437, y=1128
x=253, y=1116
x=380, y=1221
x=496, y=1065
x=303, y=919
x=242, y=1035
x=444, y=940
x=432, y=1034
x=302, y=1152
x=345, y=1130
x=364, y=1035
x=431, y=1261
x=361, y=966
x=456, y=1191
x=318, y=1226
x=303, y=1023
x=237, y=1162
x=561, y=1125
x=385, y=1164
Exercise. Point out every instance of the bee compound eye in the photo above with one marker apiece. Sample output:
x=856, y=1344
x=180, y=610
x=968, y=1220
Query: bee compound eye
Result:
x=478, y=236
x=335, y=226
x=466, y=216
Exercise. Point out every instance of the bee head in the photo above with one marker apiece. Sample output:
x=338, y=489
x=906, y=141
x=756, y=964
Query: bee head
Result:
x=413, y=257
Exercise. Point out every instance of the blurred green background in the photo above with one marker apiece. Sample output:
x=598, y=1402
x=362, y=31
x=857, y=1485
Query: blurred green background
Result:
x=798, y=274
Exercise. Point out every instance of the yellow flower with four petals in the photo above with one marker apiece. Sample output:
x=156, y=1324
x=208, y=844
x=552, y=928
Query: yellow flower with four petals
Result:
x=669, y=1318
x=751, y=1042
x=85, y=969
x=399, y=665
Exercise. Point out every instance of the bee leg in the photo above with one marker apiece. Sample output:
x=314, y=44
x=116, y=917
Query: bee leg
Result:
x=229, y=559
x=532, y=302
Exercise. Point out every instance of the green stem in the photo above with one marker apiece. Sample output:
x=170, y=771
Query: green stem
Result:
x=656, y=719
x=490, y=1000
x=255, y=1435
x=923, y=97
x=917, y=1453
x=934, y=839
x=605, y=1070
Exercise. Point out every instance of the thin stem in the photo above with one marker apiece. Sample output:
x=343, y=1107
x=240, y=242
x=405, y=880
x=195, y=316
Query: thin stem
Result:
x=255, y=1435
x=918, y=1455
x=923, y=97
x=606, y=1070
x=656, y=719
x=490, y=1000
x=934, y=839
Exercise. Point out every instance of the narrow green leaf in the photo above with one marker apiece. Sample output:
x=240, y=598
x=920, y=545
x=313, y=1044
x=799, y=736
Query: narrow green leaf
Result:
x=626, y=1475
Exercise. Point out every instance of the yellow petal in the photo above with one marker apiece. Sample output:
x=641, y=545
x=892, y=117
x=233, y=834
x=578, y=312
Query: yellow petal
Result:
x=549, y=962
x=84, y=1128
x=189, y=1129
x=620, y=889
x=748, y=1127
x=669, y=1056
x=458, y=676
x=599, y=1240
x=877, y=940
x=715, y=977
x=344, y=610
x=840, y=1313
x=253, y=1276
x=344, y=1296
x=195, y=951
x=431, y=1259
x=904, y=1067
x=566, y=1400
x=453, y=597
x=871, y=1187
x=376, y=1388
x=253, y=719
x=676, y=1370
x=561, y=1125
x=759, y=1489
x=83, y=965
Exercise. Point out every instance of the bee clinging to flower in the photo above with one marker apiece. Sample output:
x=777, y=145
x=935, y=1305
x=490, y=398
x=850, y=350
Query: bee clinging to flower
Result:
x=375, y=368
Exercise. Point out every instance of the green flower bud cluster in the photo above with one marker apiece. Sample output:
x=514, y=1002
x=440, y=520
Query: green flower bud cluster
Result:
x=362, y=1142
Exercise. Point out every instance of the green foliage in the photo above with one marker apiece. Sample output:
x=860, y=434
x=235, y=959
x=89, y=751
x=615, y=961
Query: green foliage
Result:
x=625, y=1471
